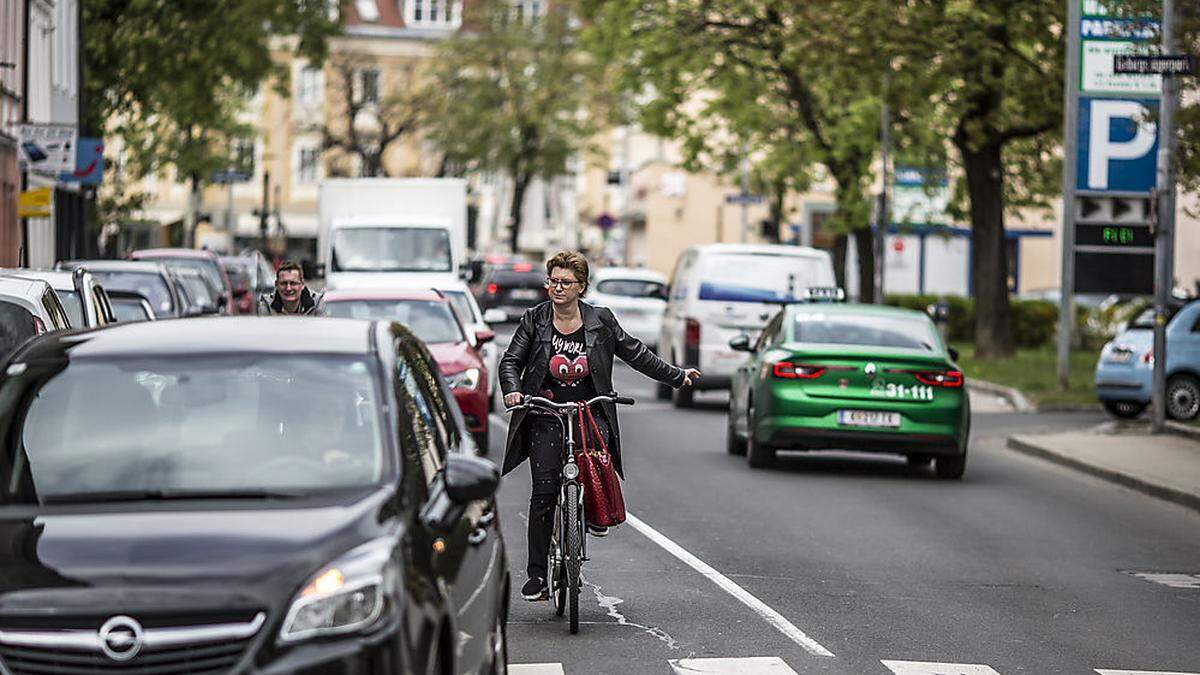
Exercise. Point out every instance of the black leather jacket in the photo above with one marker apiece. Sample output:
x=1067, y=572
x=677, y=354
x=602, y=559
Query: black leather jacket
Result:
x=524, y=366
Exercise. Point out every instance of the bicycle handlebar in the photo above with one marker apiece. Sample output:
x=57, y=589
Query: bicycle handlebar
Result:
x=545, y=403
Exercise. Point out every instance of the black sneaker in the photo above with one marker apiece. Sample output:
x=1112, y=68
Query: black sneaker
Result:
x=597, y=530
x=534, y=589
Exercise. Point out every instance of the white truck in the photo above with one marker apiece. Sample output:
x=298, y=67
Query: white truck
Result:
x=391, y=232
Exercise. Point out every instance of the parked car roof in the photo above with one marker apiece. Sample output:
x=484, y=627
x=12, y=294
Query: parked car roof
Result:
x=175, y=253
x=391, y=294
x=145, y=266
x=59, y=280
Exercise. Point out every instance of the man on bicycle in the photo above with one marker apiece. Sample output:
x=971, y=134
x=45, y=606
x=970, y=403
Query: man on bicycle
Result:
x=563, y=350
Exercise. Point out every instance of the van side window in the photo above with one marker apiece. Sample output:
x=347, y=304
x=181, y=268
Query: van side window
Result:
x=679, y=287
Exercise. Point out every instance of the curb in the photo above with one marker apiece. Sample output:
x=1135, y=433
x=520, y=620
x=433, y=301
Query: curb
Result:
x=1180, y=429
x=1163, y=492
x=1014, y=396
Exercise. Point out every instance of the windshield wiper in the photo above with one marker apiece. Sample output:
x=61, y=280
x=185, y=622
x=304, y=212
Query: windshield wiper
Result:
x=168, y=495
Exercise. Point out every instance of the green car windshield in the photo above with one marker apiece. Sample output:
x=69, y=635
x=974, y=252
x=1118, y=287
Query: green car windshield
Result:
x=864, y=330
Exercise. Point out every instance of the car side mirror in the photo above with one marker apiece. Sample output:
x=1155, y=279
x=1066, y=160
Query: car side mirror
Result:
x=222, y=302
x=495, y=316
x=953, y=354
x=470, y=479
x=741, y=343
x=482, y=337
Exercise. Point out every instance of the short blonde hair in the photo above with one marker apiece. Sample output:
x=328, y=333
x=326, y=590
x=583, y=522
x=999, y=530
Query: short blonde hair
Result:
x=573, y=261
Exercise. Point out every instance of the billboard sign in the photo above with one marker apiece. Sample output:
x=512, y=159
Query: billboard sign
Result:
x=47, y=148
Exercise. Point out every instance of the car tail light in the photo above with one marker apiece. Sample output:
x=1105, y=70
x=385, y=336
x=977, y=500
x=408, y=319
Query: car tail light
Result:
x=523, y=267
x=939, y=378
x=691, y=333
x=1148, y=357
x=39, y=328
x=492, y=289
x=798, y=371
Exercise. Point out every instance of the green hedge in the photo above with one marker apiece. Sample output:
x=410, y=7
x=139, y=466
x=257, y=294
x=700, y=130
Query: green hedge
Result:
x=1034, y=322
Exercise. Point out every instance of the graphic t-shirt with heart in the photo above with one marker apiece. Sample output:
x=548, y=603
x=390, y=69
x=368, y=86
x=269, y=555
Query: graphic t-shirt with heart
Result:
x=570, y=377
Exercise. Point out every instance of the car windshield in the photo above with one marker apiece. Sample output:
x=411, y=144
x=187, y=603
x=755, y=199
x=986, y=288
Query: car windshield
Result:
x=430, y=320
x=630, y=288
x=775, y=277
x=128, y=310
x=16, y=326
x=462, y=306
x=149, y=284
x=865, y=330
x=391, y=249
x=208, y=268
x=92, y=428
x=71, y=303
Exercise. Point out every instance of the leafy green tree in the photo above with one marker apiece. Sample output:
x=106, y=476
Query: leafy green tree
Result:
x=792, y=78
x=509, y=94
x=169, y=76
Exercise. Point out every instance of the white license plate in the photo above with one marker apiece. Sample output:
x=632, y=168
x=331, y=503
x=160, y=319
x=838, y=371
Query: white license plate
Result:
x=523, y=294
x=869, y=418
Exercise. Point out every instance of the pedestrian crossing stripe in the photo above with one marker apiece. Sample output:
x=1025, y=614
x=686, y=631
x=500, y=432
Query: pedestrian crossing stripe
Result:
x=1171, y=580
x=932, y=668
x=1139, y=672
x=536, y=669
x=761, y=665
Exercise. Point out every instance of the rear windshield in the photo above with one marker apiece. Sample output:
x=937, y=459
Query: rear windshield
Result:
x=16, y=326
x=128, y=311
x=430, y=320
x=510, y=279
x=149, y=284
x=761, y=277
x=210, y=269
x=462, y=306
x=863, y=330
x=631, y=288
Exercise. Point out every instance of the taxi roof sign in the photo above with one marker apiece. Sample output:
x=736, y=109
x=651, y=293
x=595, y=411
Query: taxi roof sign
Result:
x=823, y=294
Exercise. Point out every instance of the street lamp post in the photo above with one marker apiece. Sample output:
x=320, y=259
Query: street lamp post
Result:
x=1164, y=232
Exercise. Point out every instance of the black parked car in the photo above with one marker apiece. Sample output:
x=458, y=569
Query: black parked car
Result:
x=275, y=495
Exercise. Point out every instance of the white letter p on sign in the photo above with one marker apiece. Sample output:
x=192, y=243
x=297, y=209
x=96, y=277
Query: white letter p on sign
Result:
x=1101, y=148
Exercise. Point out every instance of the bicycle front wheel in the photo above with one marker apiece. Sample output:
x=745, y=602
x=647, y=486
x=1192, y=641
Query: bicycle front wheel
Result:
x=556, y=566
x=573, y=544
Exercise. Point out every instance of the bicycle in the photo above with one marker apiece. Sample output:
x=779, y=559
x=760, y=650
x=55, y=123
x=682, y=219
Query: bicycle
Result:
x=568, y=543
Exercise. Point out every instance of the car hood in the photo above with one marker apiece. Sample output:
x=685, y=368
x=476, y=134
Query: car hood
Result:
x=135, y=558
x=454, y=357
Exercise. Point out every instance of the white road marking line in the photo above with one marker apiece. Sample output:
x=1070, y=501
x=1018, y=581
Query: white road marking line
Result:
x=933, y=668
x=755, y=665
x=1140, y=672
x=1188, y=581
x=536, y=669
x=761, y=608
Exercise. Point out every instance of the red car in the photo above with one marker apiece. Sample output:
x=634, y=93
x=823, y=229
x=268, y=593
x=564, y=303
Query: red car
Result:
x=431, y=317
x=206, y=262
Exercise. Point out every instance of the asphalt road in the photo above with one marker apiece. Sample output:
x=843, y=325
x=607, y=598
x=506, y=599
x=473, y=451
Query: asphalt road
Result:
x=1022, y=567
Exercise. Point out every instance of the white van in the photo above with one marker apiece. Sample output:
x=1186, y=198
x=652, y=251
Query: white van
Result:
x=720, y=291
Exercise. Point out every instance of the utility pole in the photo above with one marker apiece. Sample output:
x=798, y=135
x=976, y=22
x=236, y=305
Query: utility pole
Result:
x=745, y=192
x=885, y=139
x=1066, y=309
x=1164, y=231
x=265, y=211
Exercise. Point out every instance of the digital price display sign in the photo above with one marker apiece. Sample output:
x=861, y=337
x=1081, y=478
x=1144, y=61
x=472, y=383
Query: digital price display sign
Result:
x=1114, y=258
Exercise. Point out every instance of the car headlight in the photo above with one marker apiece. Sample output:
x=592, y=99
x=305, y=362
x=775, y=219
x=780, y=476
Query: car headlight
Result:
x=467, y=379
x=347, y=595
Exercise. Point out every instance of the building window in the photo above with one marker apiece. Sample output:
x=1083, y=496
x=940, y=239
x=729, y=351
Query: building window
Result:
x=309, y=160
x=243, y=155
x=367, y=10
x=528, y=10
x=308, y=86
x=433, y=13
x=369, y=83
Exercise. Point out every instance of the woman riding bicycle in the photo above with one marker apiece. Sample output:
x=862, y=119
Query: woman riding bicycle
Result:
x=563, y=350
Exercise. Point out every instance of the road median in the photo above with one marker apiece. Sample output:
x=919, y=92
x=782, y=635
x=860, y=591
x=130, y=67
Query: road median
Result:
x=1164, y=466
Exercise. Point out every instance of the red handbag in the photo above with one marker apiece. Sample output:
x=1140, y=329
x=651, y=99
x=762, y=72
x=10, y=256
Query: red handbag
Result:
x=603, y=505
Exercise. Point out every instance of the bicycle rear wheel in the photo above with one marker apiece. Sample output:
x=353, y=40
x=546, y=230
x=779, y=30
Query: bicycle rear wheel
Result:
x=573, y=549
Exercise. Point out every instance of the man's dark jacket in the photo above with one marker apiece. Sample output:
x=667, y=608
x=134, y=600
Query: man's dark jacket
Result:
x=525, y=364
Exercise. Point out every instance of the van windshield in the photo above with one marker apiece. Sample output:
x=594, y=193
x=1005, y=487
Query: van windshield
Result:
x=761, y=277
x=391, y=249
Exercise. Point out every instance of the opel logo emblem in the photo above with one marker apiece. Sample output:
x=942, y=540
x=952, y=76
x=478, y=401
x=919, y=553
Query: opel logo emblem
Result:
x=121, y=638
x=869, y=369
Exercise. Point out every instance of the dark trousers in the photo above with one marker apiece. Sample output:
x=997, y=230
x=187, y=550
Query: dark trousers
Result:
x=544, y=438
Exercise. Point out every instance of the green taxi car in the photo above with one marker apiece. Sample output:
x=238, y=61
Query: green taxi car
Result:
x=850, y=377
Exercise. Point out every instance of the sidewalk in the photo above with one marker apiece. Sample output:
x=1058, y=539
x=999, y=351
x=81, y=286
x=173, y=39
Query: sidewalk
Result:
x=1166, y=466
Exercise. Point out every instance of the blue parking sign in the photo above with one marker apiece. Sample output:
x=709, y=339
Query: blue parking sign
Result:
x=1117, y=145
